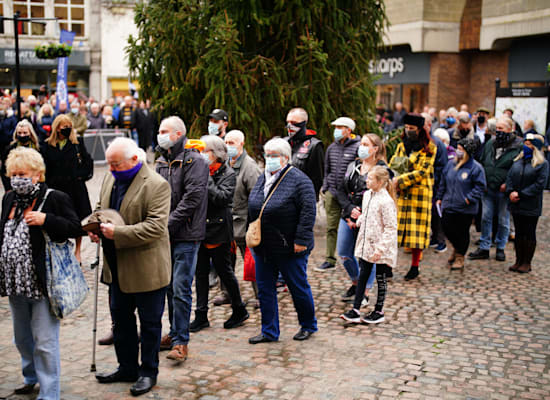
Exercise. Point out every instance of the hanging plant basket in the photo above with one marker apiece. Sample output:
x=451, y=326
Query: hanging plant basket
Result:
x=52, y=51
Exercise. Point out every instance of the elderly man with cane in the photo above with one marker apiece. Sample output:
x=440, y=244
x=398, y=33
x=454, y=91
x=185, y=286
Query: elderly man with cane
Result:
x=137, y=262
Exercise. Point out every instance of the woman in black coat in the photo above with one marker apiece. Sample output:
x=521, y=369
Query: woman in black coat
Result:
x=23, y=267
x=216, y=249
x=68, y=167
x=524, y=186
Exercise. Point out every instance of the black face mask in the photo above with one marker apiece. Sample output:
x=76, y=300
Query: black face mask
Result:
x=412, y=135
x=65, y=132
x=481, y=119
x=464, y=132
x=502, y=138
x=23, y=139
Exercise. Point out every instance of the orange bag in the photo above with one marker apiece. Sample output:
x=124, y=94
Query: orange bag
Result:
x=249, y=270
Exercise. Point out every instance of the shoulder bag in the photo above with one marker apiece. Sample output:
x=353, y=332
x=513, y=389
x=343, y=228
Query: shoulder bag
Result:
x=254, y=231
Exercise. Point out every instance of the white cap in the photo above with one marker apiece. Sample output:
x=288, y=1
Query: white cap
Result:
x=344, y=121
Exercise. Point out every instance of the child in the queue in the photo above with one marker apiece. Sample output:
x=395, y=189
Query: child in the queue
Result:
x=376, y=242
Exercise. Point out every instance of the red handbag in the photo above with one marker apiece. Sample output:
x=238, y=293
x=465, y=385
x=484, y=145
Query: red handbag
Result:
x=249, y=270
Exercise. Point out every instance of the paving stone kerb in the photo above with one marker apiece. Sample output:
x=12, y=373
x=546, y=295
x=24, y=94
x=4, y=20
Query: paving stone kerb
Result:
x=483, y=334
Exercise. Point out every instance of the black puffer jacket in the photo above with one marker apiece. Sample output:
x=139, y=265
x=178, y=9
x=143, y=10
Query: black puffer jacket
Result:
x=337, y=158
x=529, y=182
x=187, y=173
x=61, y=223
x=308, y=157
x=219, y=218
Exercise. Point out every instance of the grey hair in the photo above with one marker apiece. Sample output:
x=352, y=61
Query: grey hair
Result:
x=504, y=119
x=280, y=146
x=176, y=123
x=238, y=135
x=216, y=145
x=128, y=146
x=492, y=126
x=443, y=135
x=452, y=111
x=300, y=111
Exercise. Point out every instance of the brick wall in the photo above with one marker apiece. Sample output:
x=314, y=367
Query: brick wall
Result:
x=449, y=80
x=470, y=25
x=485, y=68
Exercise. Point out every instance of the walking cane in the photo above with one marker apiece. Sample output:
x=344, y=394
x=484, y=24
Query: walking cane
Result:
x=95, y=265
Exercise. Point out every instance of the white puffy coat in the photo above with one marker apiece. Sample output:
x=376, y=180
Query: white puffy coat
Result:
x=377, y=228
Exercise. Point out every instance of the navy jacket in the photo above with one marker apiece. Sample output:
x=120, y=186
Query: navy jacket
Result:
x=441, y=160
x=337, y=158
x=529, y=182
x=288, y=217
x=7, y=126
x=468, y=182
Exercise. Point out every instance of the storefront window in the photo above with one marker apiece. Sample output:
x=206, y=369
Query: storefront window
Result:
x=32, y=9
x=71, y=15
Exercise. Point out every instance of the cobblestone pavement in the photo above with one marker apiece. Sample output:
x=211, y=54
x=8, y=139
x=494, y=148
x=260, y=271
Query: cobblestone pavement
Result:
x=480, y=334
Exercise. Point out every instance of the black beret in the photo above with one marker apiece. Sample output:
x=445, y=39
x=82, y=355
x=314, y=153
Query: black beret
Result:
x=414, y=120
x=470, y=145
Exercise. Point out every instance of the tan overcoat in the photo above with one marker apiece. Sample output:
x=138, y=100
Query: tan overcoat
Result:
x=142, y=245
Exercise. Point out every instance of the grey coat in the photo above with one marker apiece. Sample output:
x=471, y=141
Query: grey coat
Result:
x=248, y=173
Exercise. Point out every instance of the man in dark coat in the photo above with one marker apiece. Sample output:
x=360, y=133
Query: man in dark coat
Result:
x=337, y=158
x=144, y=123
x=307, y=150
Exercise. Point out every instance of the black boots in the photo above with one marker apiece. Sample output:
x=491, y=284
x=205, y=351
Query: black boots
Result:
x=237, y=318
x=200, y=322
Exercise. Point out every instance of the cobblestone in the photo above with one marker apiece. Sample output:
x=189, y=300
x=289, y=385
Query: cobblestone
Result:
x=480, y=334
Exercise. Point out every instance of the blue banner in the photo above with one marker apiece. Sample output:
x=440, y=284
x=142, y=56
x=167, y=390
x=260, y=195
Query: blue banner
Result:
x=62, y=69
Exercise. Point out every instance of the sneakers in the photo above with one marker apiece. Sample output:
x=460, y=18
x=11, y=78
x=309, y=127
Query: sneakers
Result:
x=351, y=316
x=166, y=343
x=237, y=318
x=441, y=248
x=178, y=353
x=325, y=267
x=349, y=294
x=412, y=274
x=500, y=255
x=479, y=254
x=374, y=317
x=433, y=244
x=389, y=275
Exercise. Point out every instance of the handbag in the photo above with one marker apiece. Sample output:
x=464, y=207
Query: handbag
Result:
x=65, y=282
x=249, y=268
x=254, y=231
x=85, y=168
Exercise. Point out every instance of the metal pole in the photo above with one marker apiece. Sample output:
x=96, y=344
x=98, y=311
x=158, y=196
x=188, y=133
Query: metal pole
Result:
x=17, y=72
x=95, y=266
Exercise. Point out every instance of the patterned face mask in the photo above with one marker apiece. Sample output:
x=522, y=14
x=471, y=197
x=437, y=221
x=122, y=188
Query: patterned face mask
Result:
x=22, y=186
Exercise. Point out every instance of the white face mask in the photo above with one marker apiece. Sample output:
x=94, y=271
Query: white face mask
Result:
x=164, y=141
x=213, y=129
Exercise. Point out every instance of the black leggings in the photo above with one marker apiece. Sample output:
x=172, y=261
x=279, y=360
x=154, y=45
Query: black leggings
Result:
x=381, y=273
x=457, y=230
x=526, y=227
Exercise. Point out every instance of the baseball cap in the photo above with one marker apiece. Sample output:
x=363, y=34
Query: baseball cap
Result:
x=344, y=121
x=219, y=114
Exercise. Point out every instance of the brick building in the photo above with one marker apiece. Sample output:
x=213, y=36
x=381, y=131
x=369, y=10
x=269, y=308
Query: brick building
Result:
x=448, y=53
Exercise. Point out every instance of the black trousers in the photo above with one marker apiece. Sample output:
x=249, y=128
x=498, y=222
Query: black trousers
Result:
x=526, y=227
x=457, y=230
x=150, y=306
x=221, y=259
x=382, y=271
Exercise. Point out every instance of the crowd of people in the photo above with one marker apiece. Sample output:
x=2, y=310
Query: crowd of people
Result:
x=189, y=213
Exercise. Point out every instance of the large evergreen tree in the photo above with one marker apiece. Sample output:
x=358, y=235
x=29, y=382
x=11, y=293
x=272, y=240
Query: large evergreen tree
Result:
x=257, y=59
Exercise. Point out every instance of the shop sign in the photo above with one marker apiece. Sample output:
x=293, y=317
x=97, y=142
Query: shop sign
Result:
x=401, y=66
x=388, y=66
x=26, y=57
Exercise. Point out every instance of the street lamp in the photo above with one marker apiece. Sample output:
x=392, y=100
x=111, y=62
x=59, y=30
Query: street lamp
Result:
x=16, y=19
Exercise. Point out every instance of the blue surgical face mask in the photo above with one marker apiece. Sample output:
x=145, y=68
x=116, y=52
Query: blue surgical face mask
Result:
x=338, y=134
x=450, y=121
x=232, y=151
x=74, y=110
x=213, y=129
x=363, y=152
x=527, y=152
x=164, y=141
x=206, y=158
x=272, y=164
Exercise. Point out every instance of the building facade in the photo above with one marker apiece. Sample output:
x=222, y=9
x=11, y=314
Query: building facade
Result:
x=97, y=65
x=449, y=53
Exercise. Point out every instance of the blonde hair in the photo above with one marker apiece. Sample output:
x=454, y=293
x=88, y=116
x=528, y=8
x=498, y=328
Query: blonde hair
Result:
x=26, y=159
x=504, y=119
x=54, y=137
x=25, y=123
x=41, y=112
x=463, y=160
x=538, y=156
x=382, y=174
x=377, y=141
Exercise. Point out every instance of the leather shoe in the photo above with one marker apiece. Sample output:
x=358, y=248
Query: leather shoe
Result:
x=26, y=388
x=143, y=385
x=117, y=376
x=302, y=335
x=108, y=340
x=260, y=339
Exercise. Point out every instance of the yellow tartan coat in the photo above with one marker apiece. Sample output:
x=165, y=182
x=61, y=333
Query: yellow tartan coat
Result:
x=414, y=202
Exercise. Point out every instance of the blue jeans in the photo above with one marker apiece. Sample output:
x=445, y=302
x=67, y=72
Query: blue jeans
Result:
x=494, y=202
x=346, y=248
x=36, y=332
x=294, y=271
x=184, y=264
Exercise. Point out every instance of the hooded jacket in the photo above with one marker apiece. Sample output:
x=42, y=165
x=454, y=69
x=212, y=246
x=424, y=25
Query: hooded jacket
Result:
x=337, y=158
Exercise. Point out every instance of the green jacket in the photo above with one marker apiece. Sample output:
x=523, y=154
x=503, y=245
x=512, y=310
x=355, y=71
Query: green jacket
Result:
x=497, y=170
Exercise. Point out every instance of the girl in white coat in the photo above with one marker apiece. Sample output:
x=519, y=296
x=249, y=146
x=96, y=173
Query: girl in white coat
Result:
x=376, y=242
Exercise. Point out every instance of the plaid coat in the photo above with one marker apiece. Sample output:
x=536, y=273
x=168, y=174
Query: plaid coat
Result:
x=414, y=202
